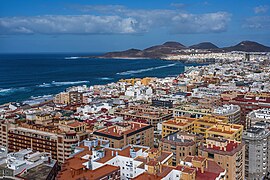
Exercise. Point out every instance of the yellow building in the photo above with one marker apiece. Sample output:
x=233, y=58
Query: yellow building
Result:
x=207, y=126
x=205, y=122
x=132, y=81
x=185, y=124
x=62, y=98
x=227, y=131
x=145, y=81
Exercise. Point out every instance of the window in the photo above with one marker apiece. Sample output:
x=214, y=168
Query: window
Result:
x=210, y=155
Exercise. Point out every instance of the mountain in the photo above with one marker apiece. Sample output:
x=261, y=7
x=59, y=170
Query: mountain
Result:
x=164, y=49
x=127, y=53
x=248, y=46
x=171, y=48
x=204, y=45
x=157, y=51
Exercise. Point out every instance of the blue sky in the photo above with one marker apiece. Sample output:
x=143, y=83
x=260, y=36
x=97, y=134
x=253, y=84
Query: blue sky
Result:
x=100, y=26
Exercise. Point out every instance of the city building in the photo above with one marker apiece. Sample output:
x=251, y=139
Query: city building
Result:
x=185, y=124
x=61, y=98
x=58, y=139
x=181, y=144
x=152, y=115
x=92, y=160
x=206, y=126
x=257, y=155
x=233, y=112
x=229, y=154
x=248, y=101
x=162, y=103
x=227, y=131
x=122, y=134
x=191, y=168
x=27, y=164
x=194, y=111
x=75, y=97
x=203, y=124
x=257, y=116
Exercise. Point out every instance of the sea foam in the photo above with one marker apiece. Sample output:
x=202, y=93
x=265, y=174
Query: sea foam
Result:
x=8, y=91
x=65, y=83
x=144, y=70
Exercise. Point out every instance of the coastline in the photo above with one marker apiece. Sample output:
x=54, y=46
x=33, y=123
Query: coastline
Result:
x=54, y=83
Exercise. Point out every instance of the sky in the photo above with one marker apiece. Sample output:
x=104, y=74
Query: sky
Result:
x=33, y=26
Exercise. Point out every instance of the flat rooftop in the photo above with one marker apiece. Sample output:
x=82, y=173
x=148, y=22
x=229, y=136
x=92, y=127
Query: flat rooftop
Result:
x=39, y=172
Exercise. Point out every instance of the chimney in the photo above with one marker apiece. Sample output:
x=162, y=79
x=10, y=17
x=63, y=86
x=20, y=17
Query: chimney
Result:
x=147, y=159
x=160, y=168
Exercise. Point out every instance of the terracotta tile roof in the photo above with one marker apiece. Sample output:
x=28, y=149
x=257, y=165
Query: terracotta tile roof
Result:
x=114, y=131
x=164, y=155
x=109, y=154
x=211, y=172
x=147, y=176
x=152, y=163
x=88, y=174
x=76, y=124
x=165, y=170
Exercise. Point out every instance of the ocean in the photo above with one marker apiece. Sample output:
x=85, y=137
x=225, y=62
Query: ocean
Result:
x=33, y=77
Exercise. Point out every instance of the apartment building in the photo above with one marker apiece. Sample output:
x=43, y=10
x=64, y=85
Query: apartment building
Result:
x=257, y=116
x=257, y=155
x=122, y=134
x=247, y=101
x=58, y=139
x=75, y=97
x=191, y=168
x=25, y=164
x=185, y=124
x=227, y=131
x=152, y=115
x=94, y=161
x=229, y=154
x=181, y=144
x=62, y=98
x=206, y=126
x=201, y=125
x=191, y=111
x=233, y=112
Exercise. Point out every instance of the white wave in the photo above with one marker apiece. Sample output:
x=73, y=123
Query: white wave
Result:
x=8, y=91
x=105, y=78
x=45, y=85
x=144, y=70
x=38, y=99
x=68, y=83
x=42, y=97
x=72, y=57
x=54, y=83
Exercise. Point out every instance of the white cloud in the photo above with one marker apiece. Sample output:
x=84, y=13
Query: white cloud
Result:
x=60, y=24
x=258, y=22
x=204, y=23
x=116, y=19
x=261, y=9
